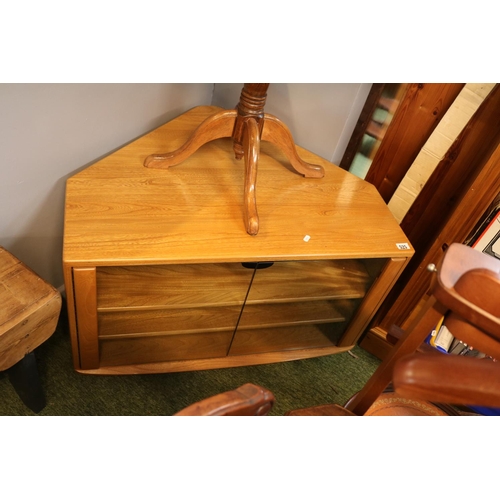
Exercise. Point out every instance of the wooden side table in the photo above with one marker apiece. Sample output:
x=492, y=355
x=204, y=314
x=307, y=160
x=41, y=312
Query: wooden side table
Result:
x=29, y=311
x=161, y=274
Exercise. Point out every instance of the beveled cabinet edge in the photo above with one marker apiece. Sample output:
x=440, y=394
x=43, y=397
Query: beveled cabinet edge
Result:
x=373, y=299
x=85, y=300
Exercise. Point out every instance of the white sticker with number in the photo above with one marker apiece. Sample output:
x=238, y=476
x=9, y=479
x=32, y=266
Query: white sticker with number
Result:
x=403, y=246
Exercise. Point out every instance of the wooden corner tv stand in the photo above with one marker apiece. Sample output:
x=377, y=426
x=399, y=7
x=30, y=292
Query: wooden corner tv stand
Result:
x=161, y=275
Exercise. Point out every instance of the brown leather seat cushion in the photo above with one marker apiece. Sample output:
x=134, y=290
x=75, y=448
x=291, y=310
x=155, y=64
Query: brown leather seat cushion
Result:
x=328, y=410
x=391, y=404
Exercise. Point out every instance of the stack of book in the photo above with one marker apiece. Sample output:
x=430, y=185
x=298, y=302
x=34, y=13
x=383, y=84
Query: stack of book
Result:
x=443, y=340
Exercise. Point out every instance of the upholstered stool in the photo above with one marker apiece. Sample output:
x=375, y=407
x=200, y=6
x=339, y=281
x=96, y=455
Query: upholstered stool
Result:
x=29, y=311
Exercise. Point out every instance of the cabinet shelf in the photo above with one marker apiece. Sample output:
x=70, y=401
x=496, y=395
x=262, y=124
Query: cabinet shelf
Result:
x=167, y=320
x=272, y=314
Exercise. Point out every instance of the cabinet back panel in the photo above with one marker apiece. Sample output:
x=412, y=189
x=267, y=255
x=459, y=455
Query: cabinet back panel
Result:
x=116, y=352
x=309, y=280
x=287, y=338
x=187, y=285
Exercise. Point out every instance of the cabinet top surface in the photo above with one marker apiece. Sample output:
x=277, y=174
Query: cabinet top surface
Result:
x=119, y=212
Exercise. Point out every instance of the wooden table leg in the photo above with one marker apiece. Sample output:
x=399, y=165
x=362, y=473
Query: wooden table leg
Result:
x=277, y=133
x=214, y=127
x=251, y=146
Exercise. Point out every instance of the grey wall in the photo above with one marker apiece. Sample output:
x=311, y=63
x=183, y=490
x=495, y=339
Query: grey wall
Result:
x=48, y=132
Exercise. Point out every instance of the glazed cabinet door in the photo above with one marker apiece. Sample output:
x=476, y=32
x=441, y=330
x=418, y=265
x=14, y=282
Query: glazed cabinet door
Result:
x=145, y=314
x=300, y=305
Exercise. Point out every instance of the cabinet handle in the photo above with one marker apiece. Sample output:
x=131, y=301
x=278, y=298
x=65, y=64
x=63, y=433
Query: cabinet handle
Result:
x=257, y=265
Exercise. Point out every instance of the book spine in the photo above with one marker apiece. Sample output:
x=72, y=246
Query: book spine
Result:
x=434, y=333
x=444, y=338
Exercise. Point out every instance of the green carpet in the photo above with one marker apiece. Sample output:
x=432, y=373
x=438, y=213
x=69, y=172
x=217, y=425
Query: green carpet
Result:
x=295, y=384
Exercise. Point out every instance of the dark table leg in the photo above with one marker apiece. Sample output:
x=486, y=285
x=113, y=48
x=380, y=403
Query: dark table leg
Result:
x=25, y=379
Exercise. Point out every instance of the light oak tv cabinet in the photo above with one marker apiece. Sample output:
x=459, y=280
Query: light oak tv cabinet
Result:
x=161, y=275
